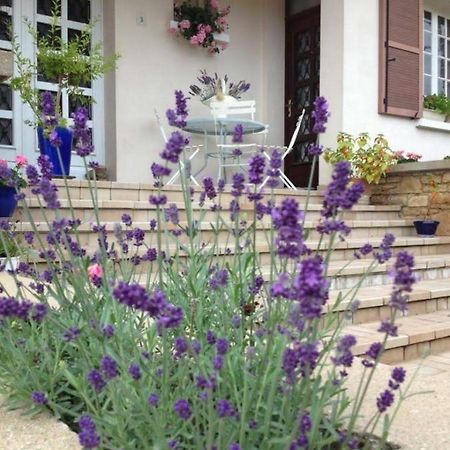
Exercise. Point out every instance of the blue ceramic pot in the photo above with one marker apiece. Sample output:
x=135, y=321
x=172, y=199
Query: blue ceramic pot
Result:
x=426, y=228
x=8, y=201
x=52, y=152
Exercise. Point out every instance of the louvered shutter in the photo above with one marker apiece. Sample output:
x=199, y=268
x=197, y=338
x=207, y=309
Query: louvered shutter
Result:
x=401, y=58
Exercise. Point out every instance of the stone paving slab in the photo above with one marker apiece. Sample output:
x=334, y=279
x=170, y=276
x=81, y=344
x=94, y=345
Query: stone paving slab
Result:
x=43, y=432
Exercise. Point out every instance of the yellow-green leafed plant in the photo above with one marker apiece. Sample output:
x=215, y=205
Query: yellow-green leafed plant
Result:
x=370, y=160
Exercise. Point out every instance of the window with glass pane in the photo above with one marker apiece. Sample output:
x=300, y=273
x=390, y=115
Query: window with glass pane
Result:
x=6, y=99
x=436, y=53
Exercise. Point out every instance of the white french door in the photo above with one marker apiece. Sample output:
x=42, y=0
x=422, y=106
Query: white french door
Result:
x=15, y=136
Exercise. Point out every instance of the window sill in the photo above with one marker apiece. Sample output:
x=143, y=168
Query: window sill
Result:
x=433, y=125
x=221, y=38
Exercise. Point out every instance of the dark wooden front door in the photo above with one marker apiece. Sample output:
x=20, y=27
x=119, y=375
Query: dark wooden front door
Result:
x=302, y=87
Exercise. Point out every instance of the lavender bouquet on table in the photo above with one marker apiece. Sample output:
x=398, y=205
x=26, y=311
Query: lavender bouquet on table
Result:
x=190, y=332
x=210, y=86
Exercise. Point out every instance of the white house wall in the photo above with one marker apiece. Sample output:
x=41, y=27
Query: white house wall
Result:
x=154, y=63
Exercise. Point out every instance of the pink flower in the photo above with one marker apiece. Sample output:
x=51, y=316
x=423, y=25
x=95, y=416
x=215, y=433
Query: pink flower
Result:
x=184, y=24
x=215, y=4
x=21, y=160
x=95, y=271
x=222, y=21
x=172, y=30
x=194, y=40
x=3, y=163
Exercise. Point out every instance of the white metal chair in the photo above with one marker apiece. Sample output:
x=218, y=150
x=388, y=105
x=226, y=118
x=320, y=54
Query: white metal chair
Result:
x=232, y=110
x=286, y=150
x=194, y=149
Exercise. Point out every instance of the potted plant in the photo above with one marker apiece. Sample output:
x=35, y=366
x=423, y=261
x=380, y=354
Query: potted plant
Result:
x=370, y=160
x=68, y=64
x=217, y=88
x=201, y=25
x=428, y=227
x=438, y=105
x=9, y=249
x=403, y=157
x=11, y=181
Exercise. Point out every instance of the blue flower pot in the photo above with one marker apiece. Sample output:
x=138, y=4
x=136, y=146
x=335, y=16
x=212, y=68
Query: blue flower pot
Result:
x=52, y=152
x=8, y=201
x=426, y=228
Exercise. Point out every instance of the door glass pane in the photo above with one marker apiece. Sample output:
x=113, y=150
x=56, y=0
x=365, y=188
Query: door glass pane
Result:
x=45, y=7
x=5, y=97
x=427, y=67
x=427, y=85
x=79, y=10
x=441, y=26
x=5, y=26
x=427, y=42
x=427, y=21
x=441, y=86
x=441, y=47
x=441, y=67
x=6, y=132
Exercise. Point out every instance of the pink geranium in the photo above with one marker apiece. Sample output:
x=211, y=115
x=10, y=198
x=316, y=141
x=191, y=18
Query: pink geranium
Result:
x=3, y=163
x=21, y=161
x=184, y=24
x=95, y=272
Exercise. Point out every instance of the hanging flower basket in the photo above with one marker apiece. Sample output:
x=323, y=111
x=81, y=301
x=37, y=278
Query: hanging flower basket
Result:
x=203, y=26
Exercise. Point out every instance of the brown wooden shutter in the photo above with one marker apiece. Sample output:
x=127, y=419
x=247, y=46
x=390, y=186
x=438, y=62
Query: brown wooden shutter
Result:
x=401, y=58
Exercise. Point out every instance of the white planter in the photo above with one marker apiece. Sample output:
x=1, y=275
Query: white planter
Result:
x=221, y=38
x=10, y=264
x=226, y=99
x=433, y=115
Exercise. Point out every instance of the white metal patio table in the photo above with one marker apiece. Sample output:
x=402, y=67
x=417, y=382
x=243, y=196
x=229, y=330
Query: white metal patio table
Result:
x=222, y=128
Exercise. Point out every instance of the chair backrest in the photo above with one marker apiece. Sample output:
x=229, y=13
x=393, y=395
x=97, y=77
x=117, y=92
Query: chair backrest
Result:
x=222, y=110
x=296, y=131
x=161, y=128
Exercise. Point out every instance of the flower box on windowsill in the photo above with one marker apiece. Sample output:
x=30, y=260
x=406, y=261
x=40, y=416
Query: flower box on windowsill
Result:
x=11, y=264
x=434, y=121
x=6, y=65
x=221, y=38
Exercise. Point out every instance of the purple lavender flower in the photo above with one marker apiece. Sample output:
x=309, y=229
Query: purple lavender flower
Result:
x=236, y=321
x=238, y=134
x=81, y=132
x=225, y=409
x=158, y=200
x=174, y=147
x=256, y=169
x=403, y=281
x=39, y=312
x=237, y=185
x=320, y=115
x=183, y=409
x=109, y=367
x=177, y=118
x=210, y=337
x=315, y=150
x=385, y=251
x=234, y=446
x=208, y=185
x=397, y=378
x=47, y=104
x=181, y=346
x=365, y=250
x=153, y=399
x=385, y=400
x=218, y=362
x=71, y=334
x=108, y=330
x=372, y=354
x=46, y=166
x=171, y=214
x=95, y=379
x=159, y=171
x=135, y=371
x=287, y=221
x=126, y=220
x=300, y=359
x=344, y=355
x=389, y=328
x=219, y=279
x=39, y=398
x=87, y=435
x=222, y=346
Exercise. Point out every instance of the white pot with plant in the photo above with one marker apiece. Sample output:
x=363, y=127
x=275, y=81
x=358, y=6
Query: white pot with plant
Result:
x=437, y=106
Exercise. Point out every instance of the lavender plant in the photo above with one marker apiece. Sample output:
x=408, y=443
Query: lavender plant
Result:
x=171, y=338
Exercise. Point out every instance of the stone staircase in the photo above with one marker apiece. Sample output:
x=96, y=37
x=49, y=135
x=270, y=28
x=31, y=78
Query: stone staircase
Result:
x=426, y=325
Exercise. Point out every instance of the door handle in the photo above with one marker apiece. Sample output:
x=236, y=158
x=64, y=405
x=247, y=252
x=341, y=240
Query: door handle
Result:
x=289, y=108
